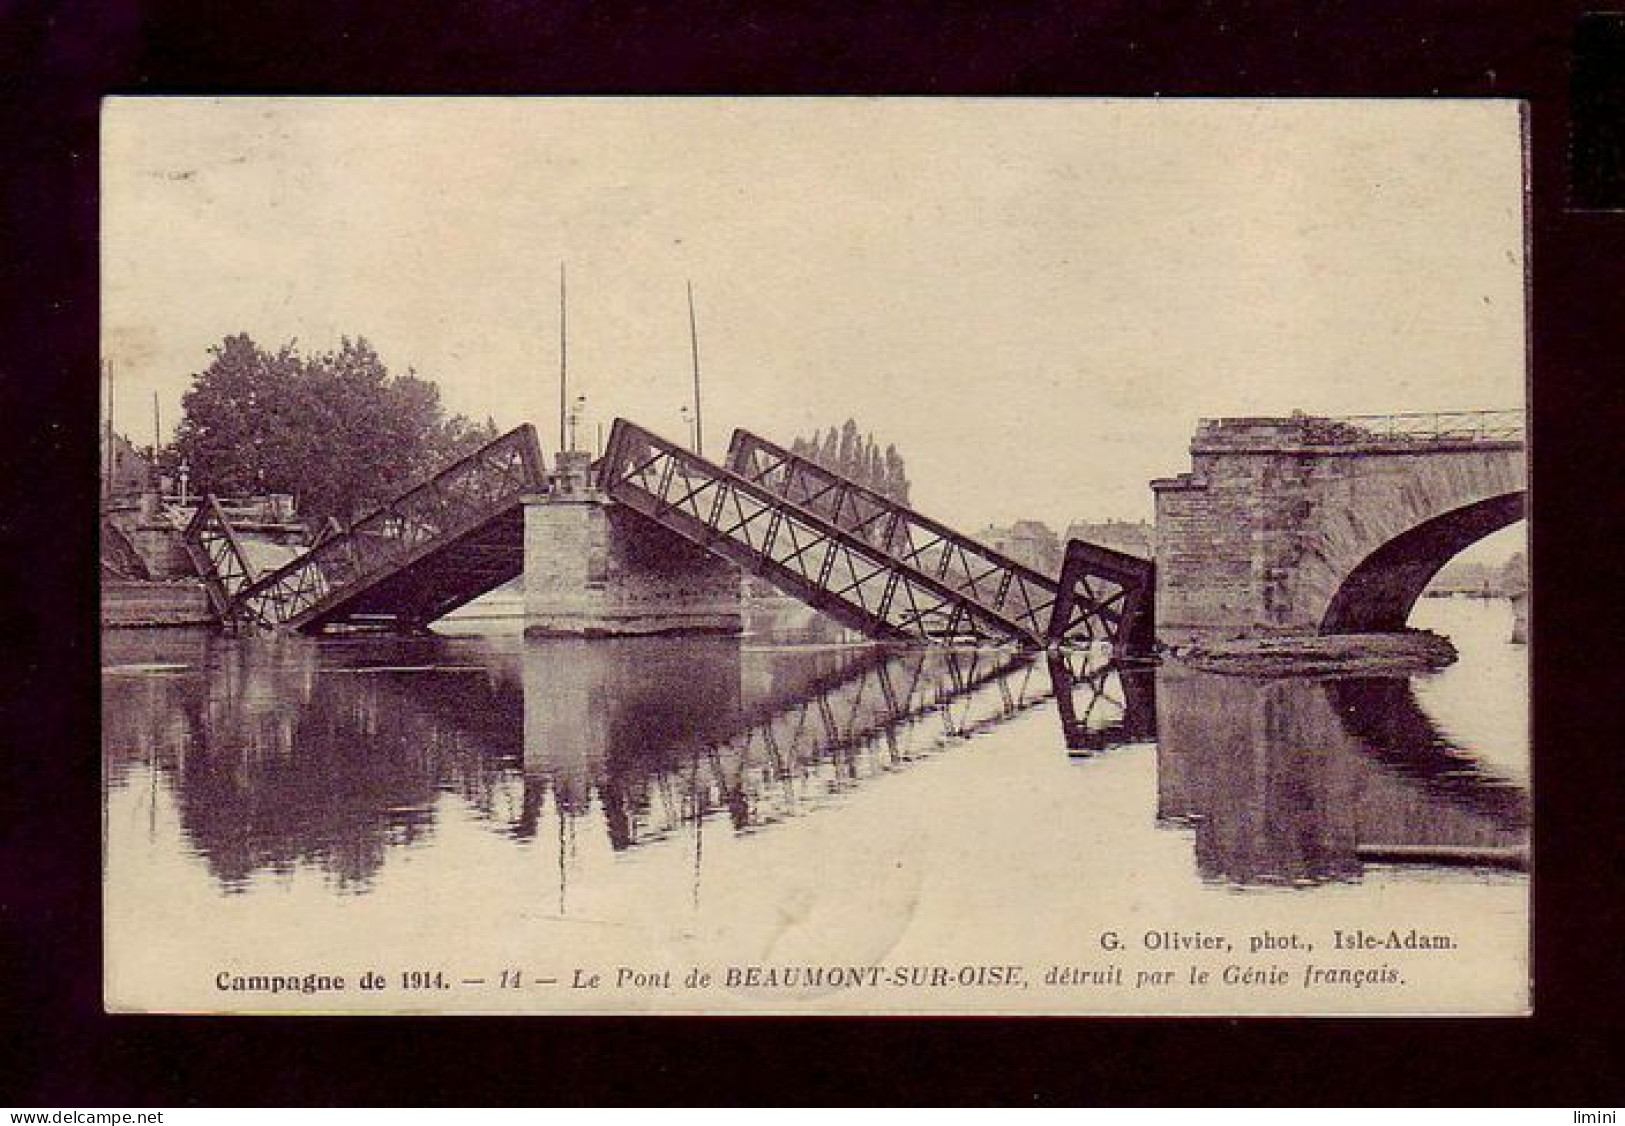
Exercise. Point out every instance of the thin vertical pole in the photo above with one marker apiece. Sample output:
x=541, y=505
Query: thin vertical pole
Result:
x=107, y=469
x=564, y=344
x=157, y=427
x=694, y=347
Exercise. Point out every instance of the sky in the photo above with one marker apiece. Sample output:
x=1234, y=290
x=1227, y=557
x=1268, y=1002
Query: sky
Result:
x=1034, y=300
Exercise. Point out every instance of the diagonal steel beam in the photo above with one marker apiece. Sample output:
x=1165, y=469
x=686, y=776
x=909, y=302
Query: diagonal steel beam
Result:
x=217, y=555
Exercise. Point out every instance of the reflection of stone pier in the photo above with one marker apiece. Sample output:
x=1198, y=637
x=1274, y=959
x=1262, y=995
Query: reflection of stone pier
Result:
x=1293, y=779
x=608, y=716
x=281, y=756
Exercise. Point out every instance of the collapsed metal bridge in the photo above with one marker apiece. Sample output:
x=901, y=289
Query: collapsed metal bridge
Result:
x=1101, y=595
x=873, y=564
x=435, y=546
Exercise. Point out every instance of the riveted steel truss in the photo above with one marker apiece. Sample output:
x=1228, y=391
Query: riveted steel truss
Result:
x=1110, y=588
x=1017, y=596
x=1084, y=606
x=436, y=545
x=797, y=550
x=217, y=555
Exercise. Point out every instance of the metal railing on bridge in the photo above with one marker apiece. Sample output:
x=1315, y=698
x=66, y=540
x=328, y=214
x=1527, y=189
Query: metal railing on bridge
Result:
x=1437, y=426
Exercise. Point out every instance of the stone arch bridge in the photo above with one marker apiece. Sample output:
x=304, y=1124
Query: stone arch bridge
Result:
x=1316, y=525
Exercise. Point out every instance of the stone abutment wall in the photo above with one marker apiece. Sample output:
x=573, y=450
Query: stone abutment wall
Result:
x=1274, y=532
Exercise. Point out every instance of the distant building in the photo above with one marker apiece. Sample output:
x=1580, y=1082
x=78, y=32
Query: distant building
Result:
x=1514, y=576
x=1484, y=579
x=1029, y=542
x=1133, y=537
x=125, y=471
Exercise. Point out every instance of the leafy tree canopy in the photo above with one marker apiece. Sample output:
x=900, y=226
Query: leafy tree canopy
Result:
x=334, y=428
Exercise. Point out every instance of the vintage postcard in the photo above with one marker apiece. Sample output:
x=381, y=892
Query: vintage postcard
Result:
x=815, y=556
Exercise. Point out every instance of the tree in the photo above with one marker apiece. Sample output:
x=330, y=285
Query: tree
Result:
x=896, y=478
x=850, y=450
x=335, y=429
x=858, y=457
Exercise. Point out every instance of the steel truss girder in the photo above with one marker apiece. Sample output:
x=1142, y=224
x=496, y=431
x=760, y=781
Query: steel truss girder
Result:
x=448, y=511
x=1016, y=595
x=217, y=555
x=1087, y=604
x=1114, y=586
x=797, y=550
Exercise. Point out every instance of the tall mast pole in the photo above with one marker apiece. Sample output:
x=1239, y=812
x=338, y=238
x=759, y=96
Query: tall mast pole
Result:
x=564, y=344
x=157, y=426
x=107, y=470
x=694, y=347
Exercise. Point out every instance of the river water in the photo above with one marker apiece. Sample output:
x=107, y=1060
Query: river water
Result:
x=487, y=822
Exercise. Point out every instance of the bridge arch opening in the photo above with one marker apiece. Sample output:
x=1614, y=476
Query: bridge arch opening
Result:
x=1379, y=593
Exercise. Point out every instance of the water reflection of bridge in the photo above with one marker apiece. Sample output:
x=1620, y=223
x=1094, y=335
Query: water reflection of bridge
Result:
x=805, y=728
x=285, y=754
x=1102, y=704
x=282, y=754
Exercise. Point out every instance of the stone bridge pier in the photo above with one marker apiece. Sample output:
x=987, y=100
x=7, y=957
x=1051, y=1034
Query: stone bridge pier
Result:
x=1308, y=525
x=596, y=569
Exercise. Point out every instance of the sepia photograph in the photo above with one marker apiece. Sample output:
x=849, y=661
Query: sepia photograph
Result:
x=815, y=556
